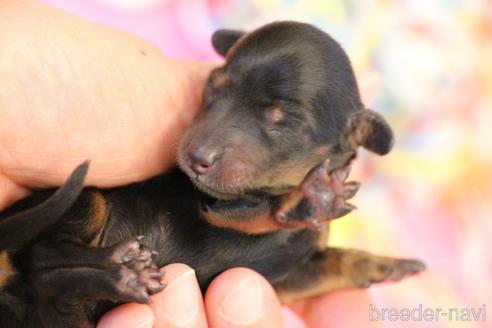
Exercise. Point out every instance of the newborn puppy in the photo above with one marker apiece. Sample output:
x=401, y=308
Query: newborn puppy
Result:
x=263, y=171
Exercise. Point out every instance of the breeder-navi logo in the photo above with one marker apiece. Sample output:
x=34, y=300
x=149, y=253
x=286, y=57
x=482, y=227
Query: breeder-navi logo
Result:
x=427, y=314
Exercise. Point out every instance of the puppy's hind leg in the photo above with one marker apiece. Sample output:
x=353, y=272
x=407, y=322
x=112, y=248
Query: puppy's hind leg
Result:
x=76, y=278
x=335, y=268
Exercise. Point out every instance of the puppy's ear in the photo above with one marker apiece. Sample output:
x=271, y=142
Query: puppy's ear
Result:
x=371, y=131
x=222, y=40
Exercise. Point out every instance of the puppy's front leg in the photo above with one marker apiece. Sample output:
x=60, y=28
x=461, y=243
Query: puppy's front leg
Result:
x=322, y=195
x=320, y=198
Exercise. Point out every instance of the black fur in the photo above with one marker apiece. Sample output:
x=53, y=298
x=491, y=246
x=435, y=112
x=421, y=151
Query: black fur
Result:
x=21, y=228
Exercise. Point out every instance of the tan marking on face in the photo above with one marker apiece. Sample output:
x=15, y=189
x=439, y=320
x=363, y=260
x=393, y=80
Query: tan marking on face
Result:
x=97, y=218
x=293, y=172
x=6, y=268
x=322, y=152
x=220, y=79
x=274, y=114
x=290, y=173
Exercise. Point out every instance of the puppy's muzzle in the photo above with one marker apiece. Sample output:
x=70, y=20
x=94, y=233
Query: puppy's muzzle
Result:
x=202, y=159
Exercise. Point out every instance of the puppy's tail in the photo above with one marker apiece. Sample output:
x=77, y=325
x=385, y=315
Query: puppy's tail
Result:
x=21, y=228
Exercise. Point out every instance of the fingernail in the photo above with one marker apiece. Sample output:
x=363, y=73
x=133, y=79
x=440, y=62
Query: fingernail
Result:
x=244, y=304
x=179, y=301
x=149, y=323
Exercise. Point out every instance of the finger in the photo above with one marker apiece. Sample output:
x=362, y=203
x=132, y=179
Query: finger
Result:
x=347, y=308
x=240, y=297
x=129, y=315
x=156, y=94
x=180, y=304
x=292, y=320
x=10, y=192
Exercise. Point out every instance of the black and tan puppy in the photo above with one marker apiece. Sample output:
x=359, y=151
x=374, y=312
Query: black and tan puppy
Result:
x=265, y=162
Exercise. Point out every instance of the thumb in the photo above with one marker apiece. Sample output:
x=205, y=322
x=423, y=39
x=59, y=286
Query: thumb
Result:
x=241, y=297
x=129, y=315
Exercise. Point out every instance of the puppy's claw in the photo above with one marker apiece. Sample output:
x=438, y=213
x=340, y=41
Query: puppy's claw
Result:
x=139, y=276
x=320, y=172
x=145, y=255
x=156, y=275
x=142, y=298
x=350, y=189
x=319, y=198
x=125, y=251
x=346, y=209
x=156, y=287
x=412, y=266
x=342, y=174
x=325, y=165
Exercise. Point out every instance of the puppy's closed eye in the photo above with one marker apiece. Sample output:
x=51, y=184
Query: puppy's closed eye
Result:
x=274, y=115
x=274, y=118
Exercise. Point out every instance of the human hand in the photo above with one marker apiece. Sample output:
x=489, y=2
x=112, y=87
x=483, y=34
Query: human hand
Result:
x=86, y=91
x=238, y=297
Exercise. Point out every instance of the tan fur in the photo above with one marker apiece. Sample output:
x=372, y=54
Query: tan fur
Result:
x=6, y=269
x=323, y=237
x=345, y=268
x=335, y=283
x=293, y=173
x=97, y=218
x=263, y=223
x=220, y=79
x=334, y=278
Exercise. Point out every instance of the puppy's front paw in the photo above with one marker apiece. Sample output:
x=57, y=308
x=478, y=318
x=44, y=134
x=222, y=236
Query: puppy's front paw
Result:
x=138, y=276
x=320, y=197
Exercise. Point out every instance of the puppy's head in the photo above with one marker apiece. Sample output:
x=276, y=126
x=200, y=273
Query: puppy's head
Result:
x=275, y=109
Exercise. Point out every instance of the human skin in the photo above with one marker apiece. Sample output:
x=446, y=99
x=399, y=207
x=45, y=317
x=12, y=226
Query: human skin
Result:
x=74, y=90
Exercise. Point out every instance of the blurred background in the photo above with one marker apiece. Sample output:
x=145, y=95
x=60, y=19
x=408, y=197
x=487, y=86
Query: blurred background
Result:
x=427, y=66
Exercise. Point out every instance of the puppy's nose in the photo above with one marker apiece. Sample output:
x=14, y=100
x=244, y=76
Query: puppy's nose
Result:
x=202, y=159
